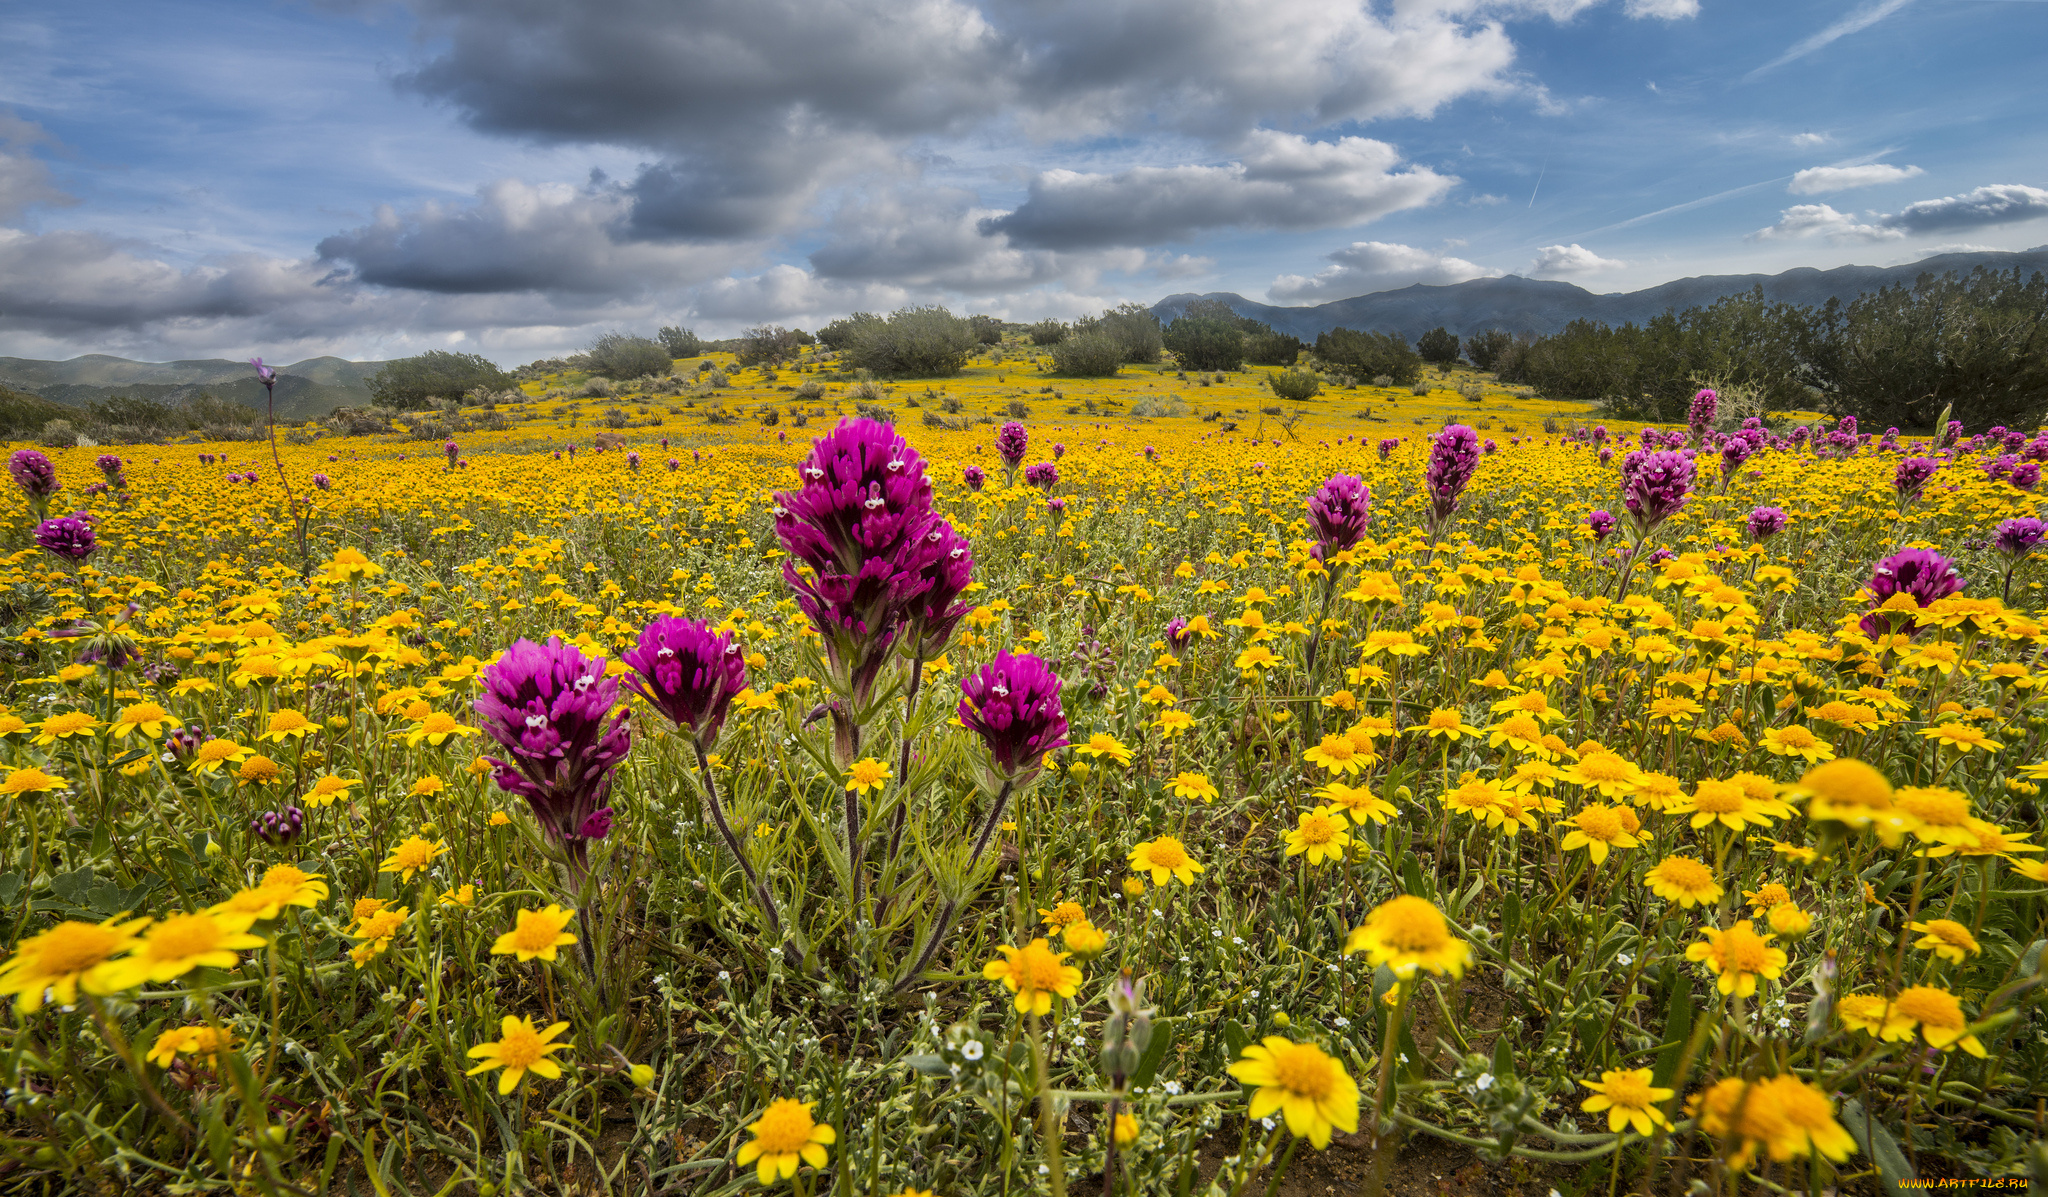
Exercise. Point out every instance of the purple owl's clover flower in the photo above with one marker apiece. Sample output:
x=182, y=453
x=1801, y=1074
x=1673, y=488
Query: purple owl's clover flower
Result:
x=36, y=477
x=1736, y=451
x=1387, y=446
x=860, y=524
x=1177, y=634
x=1012, y=442
x=2015, y=539
x=1699, y=417
x=1922, y=574
x=1910, y=477
x=551, y=709
x=2025, y=476
x=1339, y=512
x=974, y=476
x=687, y=672
x=1657, y=485
x=1602, y=524
x=1013, y=704
x=68, y=537
x=946, y=567
x=1453, y=457
x=1766, y=522
x=1045, y=475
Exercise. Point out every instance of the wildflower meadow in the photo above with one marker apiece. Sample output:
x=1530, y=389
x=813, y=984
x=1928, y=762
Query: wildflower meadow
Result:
x=1075, y=792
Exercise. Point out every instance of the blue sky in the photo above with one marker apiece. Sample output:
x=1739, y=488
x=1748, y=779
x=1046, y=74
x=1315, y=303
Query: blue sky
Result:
x=514, y=176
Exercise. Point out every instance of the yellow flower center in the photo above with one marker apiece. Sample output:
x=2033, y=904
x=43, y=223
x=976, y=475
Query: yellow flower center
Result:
x=1303, y=1069
x=1936, y=1008
x=1937, y=808
x=1038, y=968
x=286, y=721
x=1337, y=748
x=218, y=750
x=1952, y=933
x=1165, y=853
x=1521, y=727
x=1685, y=874
x=1600, y=822
x=143, y=712
x=73, y=948
x=184, y=936
x=1796, y=736
x=259, y=769
x=1443, y=720
x=1628, y=1090
x=1743, y=950
x=1411, y=924
x=537, y=930
x=1849, y=783
x=66, y=724
x=1603, y=766
x=1772, y=895
x=520, y=1047
x=1317, y=828
x=1718, y=797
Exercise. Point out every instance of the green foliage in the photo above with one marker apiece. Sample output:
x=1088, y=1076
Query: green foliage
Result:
x=1296, y=385
x=1370, y=354
x=410, y=382
x=1132, y=326
x=1206, y=343
x=1088, y=355
x=1048, y=332
x=988, y=330
x=839, y=334
x=617, y=355
x=1271, y=348
x=680, y=342
x=1438, y=346
x=769, y=343
x=23, y=415
x=1487, y=348
x=923, y=342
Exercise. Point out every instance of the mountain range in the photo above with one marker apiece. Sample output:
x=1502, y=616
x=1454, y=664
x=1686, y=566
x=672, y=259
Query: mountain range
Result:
x=305, y=389
x=1539, y=307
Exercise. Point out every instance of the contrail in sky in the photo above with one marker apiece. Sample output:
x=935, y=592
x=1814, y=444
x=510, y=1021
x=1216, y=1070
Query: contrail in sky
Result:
x=1863, y=18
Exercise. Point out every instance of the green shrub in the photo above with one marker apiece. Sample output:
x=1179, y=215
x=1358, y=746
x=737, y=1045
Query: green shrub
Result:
x=617, y=355
x=1206, y=343
x=411, y=381
x=1048, y=332
x=680, y=342
x=1087, y=355
x=1371, y=353
x=924, y=342
x=1296, y=385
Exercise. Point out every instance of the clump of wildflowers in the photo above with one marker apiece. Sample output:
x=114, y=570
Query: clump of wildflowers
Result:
x=550, y=708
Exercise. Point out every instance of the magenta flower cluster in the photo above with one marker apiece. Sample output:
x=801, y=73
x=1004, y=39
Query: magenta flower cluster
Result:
x=1453, y=458
x=1921, y=573
x=1339, y=512
x=687, y=672
x=1013, y=704
x=1012, y=442
x=1045, y=475
x=68, y=537
x=1656, y=485
x=551, y=710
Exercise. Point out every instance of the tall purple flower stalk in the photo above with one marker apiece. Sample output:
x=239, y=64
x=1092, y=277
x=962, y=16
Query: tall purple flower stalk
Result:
x=550, y=709
x=1699, y=417
x=1923, y=574
x=36, y=477
x=1012, y=442
x=1910, y=477
x=1602, y=524
x=974, y=477
x=1736, y=451
x=1657, y=484
x=691, y=674
x=2015, y=539
x=1766, y=522
x=1453, y=457
x=1339, y=512
x=1045, y=475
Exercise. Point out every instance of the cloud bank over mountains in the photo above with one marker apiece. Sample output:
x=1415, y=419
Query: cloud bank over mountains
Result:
x=795, y=159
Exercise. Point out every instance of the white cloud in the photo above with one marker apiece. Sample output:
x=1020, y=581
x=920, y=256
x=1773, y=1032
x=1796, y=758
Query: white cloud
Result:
x=1663, y=10
x=1996, y=204
x=1367, y=266
x=24, y=178
x=1554, y=260
x=1856, y=22
x=1819, y=180
x=1281, y=181
x=1806, y=140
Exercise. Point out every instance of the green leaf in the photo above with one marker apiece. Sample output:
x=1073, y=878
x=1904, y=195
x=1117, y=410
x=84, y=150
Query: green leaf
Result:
x=10, y=888
x=1678, y=1014
x=1155, y=1051
x=72, y=887
x=933, y=1066
x=1504, y=1057
x=1234, y=1039
x=1877, y=1143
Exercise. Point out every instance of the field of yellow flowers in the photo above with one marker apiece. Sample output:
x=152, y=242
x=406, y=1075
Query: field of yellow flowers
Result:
x=1139, y=785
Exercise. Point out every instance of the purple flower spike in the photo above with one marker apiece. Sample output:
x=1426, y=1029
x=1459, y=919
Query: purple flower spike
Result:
x=598, y=825
x=278, y=827
x=1453, y=458
x=946, y=566
x=68, y=537
x=2016, y=538
x=2026, y=475
x=1922, y=573
x=1045, y=475
x=1013, y=703
x=1012, y=442
x=974, y=477
x=1657, y=485
x=36, y=477
x=264, y=374
x=1339, y=513
x=1602, y=523
x=1177, y=633
x=1911, y=476
x=1700, y=416
x=1387, y=446
x=1766, y=522
x=550, y=708
x=687, y=672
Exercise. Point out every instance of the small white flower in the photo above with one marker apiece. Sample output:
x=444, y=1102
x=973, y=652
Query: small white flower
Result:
x=1172, y=1087
x=724, y=976
x=1237, y=940
x=1045, y=1170
x=1343, y=1021
x=972, y=1049
x=1625, y=959
x=1253, y=994
x=1266, y=1122
x=1484, y=1082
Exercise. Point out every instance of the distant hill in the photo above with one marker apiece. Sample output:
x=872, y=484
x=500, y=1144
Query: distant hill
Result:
x=1539, y=307
x=305, y=389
